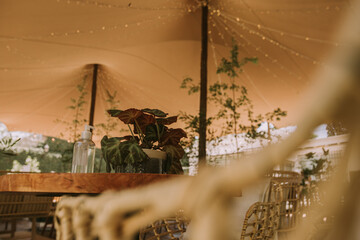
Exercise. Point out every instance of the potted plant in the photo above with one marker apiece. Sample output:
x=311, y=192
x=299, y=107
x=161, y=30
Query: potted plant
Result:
x=151, y=147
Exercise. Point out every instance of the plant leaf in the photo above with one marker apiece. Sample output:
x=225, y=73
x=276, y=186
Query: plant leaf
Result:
x=172, y=136
x=110, y=148
x=176, y=167
x=167, y=121
x=151, y=133
x=117, y=152
x=155, y=112
x=128, y=116
x=253, y=60
x=144, y=121
x=114, y=112
x=174, y=151
x=133, y=153
x=130, y=137
x=174, y=154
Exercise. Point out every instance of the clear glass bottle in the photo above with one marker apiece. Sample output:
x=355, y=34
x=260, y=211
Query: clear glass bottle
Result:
x=84, y=153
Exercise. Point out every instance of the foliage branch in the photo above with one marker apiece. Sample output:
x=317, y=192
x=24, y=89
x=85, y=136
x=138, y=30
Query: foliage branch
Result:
x=6, y=145
x=231, y=99
x=77, y=107
x=315, y=170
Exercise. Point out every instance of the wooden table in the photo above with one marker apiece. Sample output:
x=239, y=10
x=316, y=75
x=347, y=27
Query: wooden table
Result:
x=76, y=183
x=58, y=184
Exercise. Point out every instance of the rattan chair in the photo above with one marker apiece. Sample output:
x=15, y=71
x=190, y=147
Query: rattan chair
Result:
x=15, y=206
x=285, y=188
x=285, y=175
x=261, y=221
x=166, y=228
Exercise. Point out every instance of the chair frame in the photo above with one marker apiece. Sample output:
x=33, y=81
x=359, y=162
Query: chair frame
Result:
x=262, y=219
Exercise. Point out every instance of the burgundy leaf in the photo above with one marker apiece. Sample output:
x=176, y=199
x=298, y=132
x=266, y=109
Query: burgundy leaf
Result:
x=155, y=112
x=128, y=116
x=143, y=121
x=167, y=121
x=173, y=136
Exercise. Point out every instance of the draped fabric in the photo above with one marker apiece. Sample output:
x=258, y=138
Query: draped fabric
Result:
x=146, y=48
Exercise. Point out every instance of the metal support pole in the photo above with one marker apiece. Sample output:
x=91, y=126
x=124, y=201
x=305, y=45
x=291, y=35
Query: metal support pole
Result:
x=203, y=85
x=93, y=95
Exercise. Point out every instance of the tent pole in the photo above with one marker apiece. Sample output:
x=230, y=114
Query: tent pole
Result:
x=93, y=95
x=203, y=85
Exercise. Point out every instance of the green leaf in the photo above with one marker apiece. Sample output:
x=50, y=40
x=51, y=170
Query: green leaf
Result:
x=192, y=88
x=133, y=153
x=310, y=155
x=154, y=133
x=151, y=133
x=325, y=152
x=117, y=152
x=110, y=148
x=253, y=60
x=155, y=112
x=185, y=82
x=114, y=112
x=130, y=137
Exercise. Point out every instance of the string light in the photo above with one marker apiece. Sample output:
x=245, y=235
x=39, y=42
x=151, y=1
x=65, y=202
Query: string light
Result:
x=126, y=6
x=282, y=33
x=316, y=9
x=278, y=44
x=266, y=55
x=136, y=90
x=16, y=51
x=214, y=57
x=108, y=28
x=257, y=91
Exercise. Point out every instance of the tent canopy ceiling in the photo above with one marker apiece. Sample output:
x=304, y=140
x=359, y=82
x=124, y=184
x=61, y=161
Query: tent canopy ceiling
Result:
x=146, y=48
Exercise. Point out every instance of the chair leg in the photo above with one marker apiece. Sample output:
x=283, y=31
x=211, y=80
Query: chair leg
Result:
x=45, y=225
x=13, y=228
x=52, y=230
x=33, y=228
x=49, y=221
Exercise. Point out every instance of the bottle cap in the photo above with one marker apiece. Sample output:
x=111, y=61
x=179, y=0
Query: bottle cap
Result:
x=86, y=134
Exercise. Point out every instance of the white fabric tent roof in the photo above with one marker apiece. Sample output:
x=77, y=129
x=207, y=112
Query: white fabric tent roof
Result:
x=146, y=48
